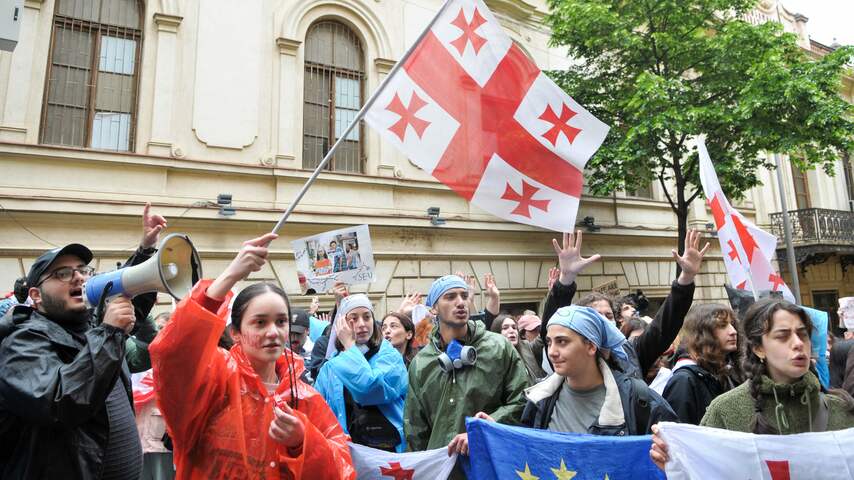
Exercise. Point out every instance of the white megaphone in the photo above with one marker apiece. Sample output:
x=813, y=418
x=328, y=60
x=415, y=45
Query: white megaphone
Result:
x=174, y=269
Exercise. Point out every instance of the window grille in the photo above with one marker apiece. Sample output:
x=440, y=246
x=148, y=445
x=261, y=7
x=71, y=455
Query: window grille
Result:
x=93, y=74
x=333, y=94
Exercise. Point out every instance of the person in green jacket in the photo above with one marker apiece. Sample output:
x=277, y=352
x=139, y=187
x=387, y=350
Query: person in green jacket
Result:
x=442, y=394
x=782, y=395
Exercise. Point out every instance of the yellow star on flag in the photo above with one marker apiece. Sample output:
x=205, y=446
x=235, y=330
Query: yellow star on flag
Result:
x=527, y=475
x=563, y=473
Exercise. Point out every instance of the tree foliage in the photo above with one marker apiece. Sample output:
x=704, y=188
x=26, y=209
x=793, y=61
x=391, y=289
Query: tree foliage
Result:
x=661, y=72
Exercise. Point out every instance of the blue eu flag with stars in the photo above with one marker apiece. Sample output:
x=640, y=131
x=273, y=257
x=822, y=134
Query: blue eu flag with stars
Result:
x=501, y=452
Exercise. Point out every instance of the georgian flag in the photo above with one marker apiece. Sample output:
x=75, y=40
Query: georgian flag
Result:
x=142, y=385
x=747, y=250
x=373, y=464
x=470, y=108
x=700, y=453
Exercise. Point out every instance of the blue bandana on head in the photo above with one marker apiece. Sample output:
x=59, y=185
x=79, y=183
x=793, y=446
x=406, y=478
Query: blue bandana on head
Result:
x=442, y=285
x=591, y=325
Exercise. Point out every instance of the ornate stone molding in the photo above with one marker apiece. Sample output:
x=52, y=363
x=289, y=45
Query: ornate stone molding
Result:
x=384, y=65
x=288, y=46
x=167, y=23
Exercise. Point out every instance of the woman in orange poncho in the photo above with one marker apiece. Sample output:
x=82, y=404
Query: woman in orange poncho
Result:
x=243, y=413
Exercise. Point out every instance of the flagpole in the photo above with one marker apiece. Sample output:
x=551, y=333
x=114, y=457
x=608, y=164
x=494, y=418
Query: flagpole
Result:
x=367, y=106
x=787, y=232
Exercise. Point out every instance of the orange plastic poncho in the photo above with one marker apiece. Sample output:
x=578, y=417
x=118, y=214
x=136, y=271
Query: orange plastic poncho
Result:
x=218, y=411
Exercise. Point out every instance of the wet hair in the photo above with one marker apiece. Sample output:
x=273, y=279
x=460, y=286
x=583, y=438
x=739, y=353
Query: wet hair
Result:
x=247, y=294
x=499, y=321
x=758, y=320
x=409, y=351
x=631, y=325
x=21, y=290
x=700, y=340
x=593, y=297
x=225, y=341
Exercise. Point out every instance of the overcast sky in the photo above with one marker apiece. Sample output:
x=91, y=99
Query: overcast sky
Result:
x=828, y=19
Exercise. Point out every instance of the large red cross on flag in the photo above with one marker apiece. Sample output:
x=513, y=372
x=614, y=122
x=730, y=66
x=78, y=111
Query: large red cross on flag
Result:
x=373, y=464
x=747, y=250
x=470, y=108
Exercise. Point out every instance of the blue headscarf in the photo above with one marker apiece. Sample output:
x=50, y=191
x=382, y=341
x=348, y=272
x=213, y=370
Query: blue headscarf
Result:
x=591, y=325
x=442, y=285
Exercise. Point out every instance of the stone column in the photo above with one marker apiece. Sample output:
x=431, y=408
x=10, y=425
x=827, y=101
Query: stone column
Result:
x=386, y=162
x=163, y=94
x=288, y=132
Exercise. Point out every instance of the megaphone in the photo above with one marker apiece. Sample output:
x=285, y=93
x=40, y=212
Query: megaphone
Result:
x=174, y=269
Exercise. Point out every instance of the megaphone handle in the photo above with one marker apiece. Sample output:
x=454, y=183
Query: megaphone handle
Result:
x=99, y=311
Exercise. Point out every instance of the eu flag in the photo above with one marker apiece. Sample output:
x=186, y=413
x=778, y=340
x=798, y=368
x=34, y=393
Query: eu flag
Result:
x=501, y=452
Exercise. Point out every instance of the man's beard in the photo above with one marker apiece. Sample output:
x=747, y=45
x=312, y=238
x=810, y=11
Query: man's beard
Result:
x=54, y=309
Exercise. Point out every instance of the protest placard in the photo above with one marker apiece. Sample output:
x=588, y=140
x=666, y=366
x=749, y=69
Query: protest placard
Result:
x=343, y=255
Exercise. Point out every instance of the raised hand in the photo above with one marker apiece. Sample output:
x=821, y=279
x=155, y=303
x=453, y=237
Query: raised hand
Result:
x=491, y=294
x=152, y=225
x=315, y=304
x=251, y=258
x=692, y=259
x=323, y=317
x=409, y=302
x=340, y=290
x=554, y=274
x=569, y=257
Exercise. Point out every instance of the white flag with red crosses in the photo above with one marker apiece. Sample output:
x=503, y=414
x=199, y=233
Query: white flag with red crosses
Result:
x=701, y=453
x=470, y=108
x=747, y=250
x=373, y=464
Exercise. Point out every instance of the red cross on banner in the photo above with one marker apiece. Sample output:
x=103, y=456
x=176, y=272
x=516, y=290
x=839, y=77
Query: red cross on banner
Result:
x=779, y=469
x=407, y=116
x=395, y=471
x=468, y=35
x=525, y=200
x=776, y=281
x=486, y=122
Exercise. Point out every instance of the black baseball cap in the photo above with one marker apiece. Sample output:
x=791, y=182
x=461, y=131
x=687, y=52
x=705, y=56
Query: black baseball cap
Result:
x=299, y=321
x=43, y=263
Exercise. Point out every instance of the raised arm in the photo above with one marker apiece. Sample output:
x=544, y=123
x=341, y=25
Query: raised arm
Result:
x=570, y=263
x=668, y=321
x=189, y=370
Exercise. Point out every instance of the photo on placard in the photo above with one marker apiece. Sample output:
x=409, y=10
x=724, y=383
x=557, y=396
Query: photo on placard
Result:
x=343, y=255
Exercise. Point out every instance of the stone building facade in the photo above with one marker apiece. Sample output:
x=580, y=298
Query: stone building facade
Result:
x=107, y=104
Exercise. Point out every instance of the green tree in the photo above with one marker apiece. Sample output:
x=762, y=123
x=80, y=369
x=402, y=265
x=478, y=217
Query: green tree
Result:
x=663, y=71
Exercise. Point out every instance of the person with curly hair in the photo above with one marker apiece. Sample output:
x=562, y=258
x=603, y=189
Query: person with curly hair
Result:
x=782, y=395
x=709, y=365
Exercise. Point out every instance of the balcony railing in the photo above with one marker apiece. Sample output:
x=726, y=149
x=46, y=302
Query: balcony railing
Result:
x=817, y=226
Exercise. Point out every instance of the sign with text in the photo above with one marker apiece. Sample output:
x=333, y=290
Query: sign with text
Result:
x=344, y=255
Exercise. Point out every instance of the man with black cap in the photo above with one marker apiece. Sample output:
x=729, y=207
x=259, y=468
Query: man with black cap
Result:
x=300, y=325
x=66, y=409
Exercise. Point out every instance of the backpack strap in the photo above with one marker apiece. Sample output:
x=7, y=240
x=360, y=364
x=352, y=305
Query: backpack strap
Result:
x=642, y=413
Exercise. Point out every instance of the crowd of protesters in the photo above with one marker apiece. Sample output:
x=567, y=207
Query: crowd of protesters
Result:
x=244, y=386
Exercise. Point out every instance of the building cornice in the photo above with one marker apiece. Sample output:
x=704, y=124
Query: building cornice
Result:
x=288, y=46
x=167, y=23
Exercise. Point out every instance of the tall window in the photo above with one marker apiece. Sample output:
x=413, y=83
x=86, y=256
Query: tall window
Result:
x=92, y=74
x=334, y=83
x=802, y=189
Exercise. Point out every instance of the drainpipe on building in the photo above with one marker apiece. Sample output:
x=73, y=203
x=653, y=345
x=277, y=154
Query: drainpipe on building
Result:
x=787, y=231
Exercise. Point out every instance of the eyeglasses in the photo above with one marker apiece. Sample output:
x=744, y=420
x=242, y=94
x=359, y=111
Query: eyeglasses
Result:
x=65, y=274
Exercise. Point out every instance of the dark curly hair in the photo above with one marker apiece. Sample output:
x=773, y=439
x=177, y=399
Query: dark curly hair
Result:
x=700, y=340
x=404, y=319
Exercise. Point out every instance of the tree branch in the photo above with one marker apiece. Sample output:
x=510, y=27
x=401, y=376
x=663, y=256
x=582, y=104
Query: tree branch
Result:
x=666, y=192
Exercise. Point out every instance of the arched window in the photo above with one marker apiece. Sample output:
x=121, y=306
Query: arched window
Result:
x=93, y=71
x=334, y=87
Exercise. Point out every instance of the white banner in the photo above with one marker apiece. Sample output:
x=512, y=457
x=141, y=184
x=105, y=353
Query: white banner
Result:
x=700, y=453
x=373, y=464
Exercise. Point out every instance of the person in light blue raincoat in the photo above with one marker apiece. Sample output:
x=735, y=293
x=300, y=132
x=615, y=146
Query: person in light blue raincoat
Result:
x=365, y=381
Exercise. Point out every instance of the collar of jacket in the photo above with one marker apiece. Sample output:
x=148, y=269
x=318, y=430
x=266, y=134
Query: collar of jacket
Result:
x=808, y=383
x=611, y=414
x=37, y=322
